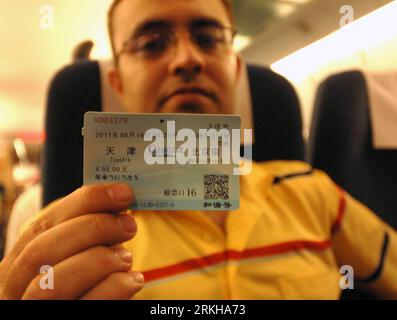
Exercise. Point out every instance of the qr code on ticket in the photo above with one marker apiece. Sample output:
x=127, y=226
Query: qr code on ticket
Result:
x=216, y=187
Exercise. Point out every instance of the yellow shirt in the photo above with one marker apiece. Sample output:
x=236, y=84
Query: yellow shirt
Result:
x=293, y=231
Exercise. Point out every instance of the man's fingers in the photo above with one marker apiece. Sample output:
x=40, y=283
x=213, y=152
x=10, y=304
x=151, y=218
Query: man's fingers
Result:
x=64, y=241
x=117, y=286
x=76, y=275
x=85, y=200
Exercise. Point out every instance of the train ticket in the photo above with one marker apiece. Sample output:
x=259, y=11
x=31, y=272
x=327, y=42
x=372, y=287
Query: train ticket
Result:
x=171, y=161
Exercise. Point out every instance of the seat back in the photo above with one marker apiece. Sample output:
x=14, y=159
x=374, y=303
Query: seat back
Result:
x=341, y=144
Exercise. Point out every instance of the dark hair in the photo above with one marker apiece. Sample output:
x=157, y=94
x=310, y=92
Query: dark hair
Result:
x=227, y=4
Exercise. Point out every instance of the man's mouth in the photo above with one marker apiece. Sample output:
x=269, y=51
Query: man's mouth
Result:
x=189, y=91
x=190, y=108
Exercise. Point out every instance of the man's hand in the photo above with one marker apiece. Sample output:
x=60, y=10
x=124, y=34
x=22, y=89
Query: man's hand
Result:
x=80, y=237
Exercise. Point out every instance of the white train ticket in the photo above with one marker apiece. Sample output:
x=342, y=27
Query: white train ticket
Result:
x=171, y=161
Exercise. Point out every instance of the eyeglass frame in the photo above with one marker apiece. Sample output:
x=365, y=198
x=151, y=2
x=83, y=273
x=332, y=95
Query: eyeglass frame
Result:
x=128, y=41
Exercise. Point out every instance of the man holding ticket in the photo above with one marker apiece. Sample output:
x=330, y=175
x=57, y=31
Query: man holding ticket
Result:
x=289, y=237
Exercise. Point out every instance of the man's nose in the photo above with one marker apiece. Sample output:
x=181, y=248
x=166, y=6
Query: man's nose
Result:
x=188, y=61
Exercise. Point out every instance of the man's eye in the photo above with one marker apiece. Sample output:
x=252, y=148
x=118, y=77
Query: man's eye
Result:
x=207, y=40
x=152, y=45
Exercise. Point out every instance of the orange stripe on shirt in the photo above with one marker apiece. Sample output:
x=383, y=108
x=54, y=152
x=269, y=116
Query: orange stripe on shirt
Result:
x=228, y=255
x=341, y=211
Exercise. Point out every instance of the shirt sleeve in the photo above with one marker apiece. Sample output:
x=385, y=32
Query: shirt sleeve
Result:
x=360, y=239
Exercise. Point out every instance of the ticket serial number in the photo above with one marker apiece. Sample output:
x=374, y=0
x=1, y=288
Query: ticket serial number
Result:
x=110, y=120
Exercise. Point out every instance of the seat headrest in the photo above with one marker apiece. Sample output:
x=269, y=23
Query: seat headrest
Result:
x=382, y=96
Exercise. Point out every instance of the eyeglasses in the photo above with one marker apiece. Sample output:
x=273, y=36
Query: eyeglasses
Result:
x=152, y=44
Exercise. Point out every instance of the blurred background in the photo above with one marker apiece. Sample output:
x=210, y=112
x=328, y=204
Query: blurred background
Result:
x=304, y=40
